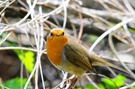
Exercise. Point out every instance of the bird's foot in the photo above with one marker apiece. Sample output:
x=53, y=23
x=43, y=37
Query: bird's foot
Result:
x=72, y=81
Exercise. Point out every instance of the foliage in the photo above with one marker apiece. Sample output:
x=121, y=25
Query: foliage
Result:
x=27, y=59
x=15, y=83
x=89, y=86
x=113, y=83
x=78, y=87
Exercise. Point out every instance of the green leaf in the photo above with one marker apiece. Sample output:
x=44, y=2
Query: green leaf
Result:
x=109, y=84
x=27, y=59
x=89, y=86
x=115, y=82
x=78, y=87
x=132, y=87
x=119, y=80
x=15, y=83
x=131, y=30
x=92, y=38
x=101, y=86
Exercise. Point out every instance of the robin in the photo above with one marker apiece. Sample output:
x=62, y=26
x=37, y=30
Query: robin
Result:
x=69, y=56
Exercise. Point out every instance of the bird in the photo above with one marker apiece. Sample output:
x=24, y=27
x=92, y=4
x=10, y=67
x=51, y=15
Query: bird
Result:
x=67, y=55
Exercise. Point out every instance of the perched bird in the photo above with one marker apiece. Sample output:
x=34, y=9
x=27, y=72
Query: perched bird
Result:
x=69, y=56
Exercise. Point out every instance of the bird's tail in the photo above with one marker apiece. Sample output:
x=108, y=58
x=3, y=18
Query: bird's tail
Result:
x=100, y=62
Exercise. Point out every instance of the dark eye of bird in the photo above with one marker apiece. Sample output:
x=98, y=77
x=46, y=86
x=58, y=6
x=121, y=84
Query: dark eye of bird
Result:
x=63, y=33
x=51, y=34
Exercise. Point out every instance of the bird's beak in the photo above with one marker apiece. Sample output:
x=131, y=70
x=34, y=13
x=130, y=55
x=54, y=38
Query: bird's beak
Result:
x=58, y=35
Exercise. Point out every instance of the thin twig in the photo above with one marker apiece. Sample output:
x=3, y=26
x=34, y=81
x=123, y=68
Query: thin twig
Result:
x=92, y=82
x=81, y=26
x=116, y=54
x=7, y=6
x=109, y=31
x=129, y=7
x=129, y=34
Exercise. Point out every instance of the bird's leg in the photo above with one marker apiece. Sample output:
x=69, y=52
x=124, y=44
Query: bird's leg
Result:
x=71, y=79
x=74, y=83
x=68, y=82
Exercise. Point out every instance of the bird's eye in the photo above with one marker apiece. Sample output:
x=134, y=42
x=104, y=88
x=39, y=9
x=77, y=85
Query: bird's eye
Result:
x=51, y=34
x=63, y=33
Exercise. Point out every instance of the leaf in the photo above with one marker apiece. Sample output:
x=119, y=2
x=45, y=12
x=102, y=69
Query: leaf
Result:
x=89, y=86
x=101, y=86
x=119, y=80
x=115, y=82
x=27, y=59
x=15, y=83
x=78, y=87
x=131, y=30
x=132, y=87
x=109, y=84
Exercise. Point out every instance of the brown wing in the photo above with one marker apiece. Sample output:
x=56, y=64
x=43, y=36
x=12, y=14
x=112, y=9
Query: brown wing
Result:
x=77, y=55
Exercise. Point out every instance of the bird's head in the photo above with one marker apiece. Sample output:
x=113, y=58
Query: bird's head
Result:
x=57, y=36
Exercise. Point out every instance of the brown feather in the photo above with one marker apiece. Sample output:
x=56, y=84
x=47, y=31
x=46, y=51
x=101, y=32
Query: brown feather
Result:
x=79, y=56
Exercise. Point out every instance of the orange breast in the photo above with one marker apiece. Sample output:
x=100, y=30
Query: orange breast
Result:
x=54, y=47
x=54, y=55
